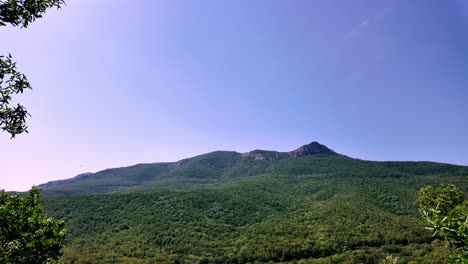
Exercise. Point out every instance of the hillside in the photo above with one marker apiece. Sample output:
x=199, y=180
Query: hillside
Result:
x=204, y=169
x=224, y=166
x=302, y=206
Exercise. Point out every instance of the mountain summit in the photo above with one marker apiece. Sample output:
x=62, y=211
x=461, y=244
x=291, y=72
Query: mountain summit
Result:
x=312, y=149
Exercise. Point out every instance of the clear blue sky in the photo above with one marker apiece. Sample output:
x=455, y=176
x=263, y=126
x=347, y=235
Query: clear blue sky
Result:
x=124, y=82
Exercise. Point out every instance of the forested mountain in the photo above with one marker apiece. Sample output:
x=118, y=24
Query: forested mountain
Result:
x=311, y=205
x=208, y=168
x=224, y=166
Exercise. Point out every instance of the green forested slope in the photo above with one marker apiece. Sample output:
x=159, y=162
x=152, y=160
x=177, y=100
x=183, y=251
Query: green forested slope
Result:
x=224, y=208
x=210, y=168
x=225, y=166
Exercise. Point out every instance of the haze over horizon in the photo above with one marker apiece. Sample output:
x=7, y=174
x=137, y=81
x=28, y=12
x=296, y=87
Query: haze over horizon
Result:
x=117, y=84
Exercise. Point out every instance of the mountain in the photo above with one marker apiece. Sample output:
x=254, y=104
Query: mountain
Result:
x=204, y=169
x=310, y=205
x=223, y=166
x=311, y=149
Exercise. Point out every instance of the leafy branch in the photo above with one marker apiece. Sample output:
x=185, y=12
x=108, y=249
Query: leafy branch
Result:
x=12, y=119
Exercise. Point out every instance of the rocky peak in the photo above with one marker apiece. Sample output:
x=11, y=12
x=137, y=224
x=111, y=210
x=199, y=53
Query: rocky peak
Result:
x=311, y=149
x=306, y=150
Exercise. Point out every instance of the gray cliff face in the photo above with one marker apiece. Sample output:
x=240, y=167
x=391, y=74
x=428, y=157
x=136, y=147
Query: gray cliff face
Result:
x=313, y=148
x=258, y=155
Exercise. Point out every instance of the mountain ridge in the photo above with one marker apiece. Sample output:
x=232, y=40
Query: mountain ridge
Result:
x=222, y=166
x=313, y=148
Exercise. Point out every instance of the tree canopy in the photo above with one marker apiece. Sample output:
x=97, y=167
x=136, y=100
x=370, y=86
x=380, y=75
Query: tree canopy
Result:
x=27, y=234
x=23, y=12
x=446, y=212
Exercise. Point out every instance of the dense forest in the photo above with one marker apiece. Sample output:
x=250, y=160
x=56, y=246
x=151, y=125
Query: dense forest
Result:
x=312, y=209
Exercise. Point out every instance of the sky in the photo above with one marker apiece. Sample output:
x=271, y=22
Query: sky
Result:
x=116, y=83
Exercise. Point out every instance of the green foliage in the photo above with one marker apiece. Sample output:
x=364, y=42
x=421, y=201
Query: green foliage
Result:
x=23, y=12
x=12, y=119
x=390, y=259
x=320, y=209
x=446, y=212
x=17, y=13
x=27, y=235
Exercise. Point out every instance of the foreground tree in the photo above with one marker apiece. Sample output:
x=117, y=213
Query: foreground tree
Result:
x=12, y=82
x=12, y=119
x=446, y=212
x=27, y=234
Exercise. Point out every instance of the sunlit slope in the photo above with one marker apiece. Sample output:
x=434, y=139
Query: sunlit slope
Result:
x=314, y=209
x=226, y=166
x=310, y=205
